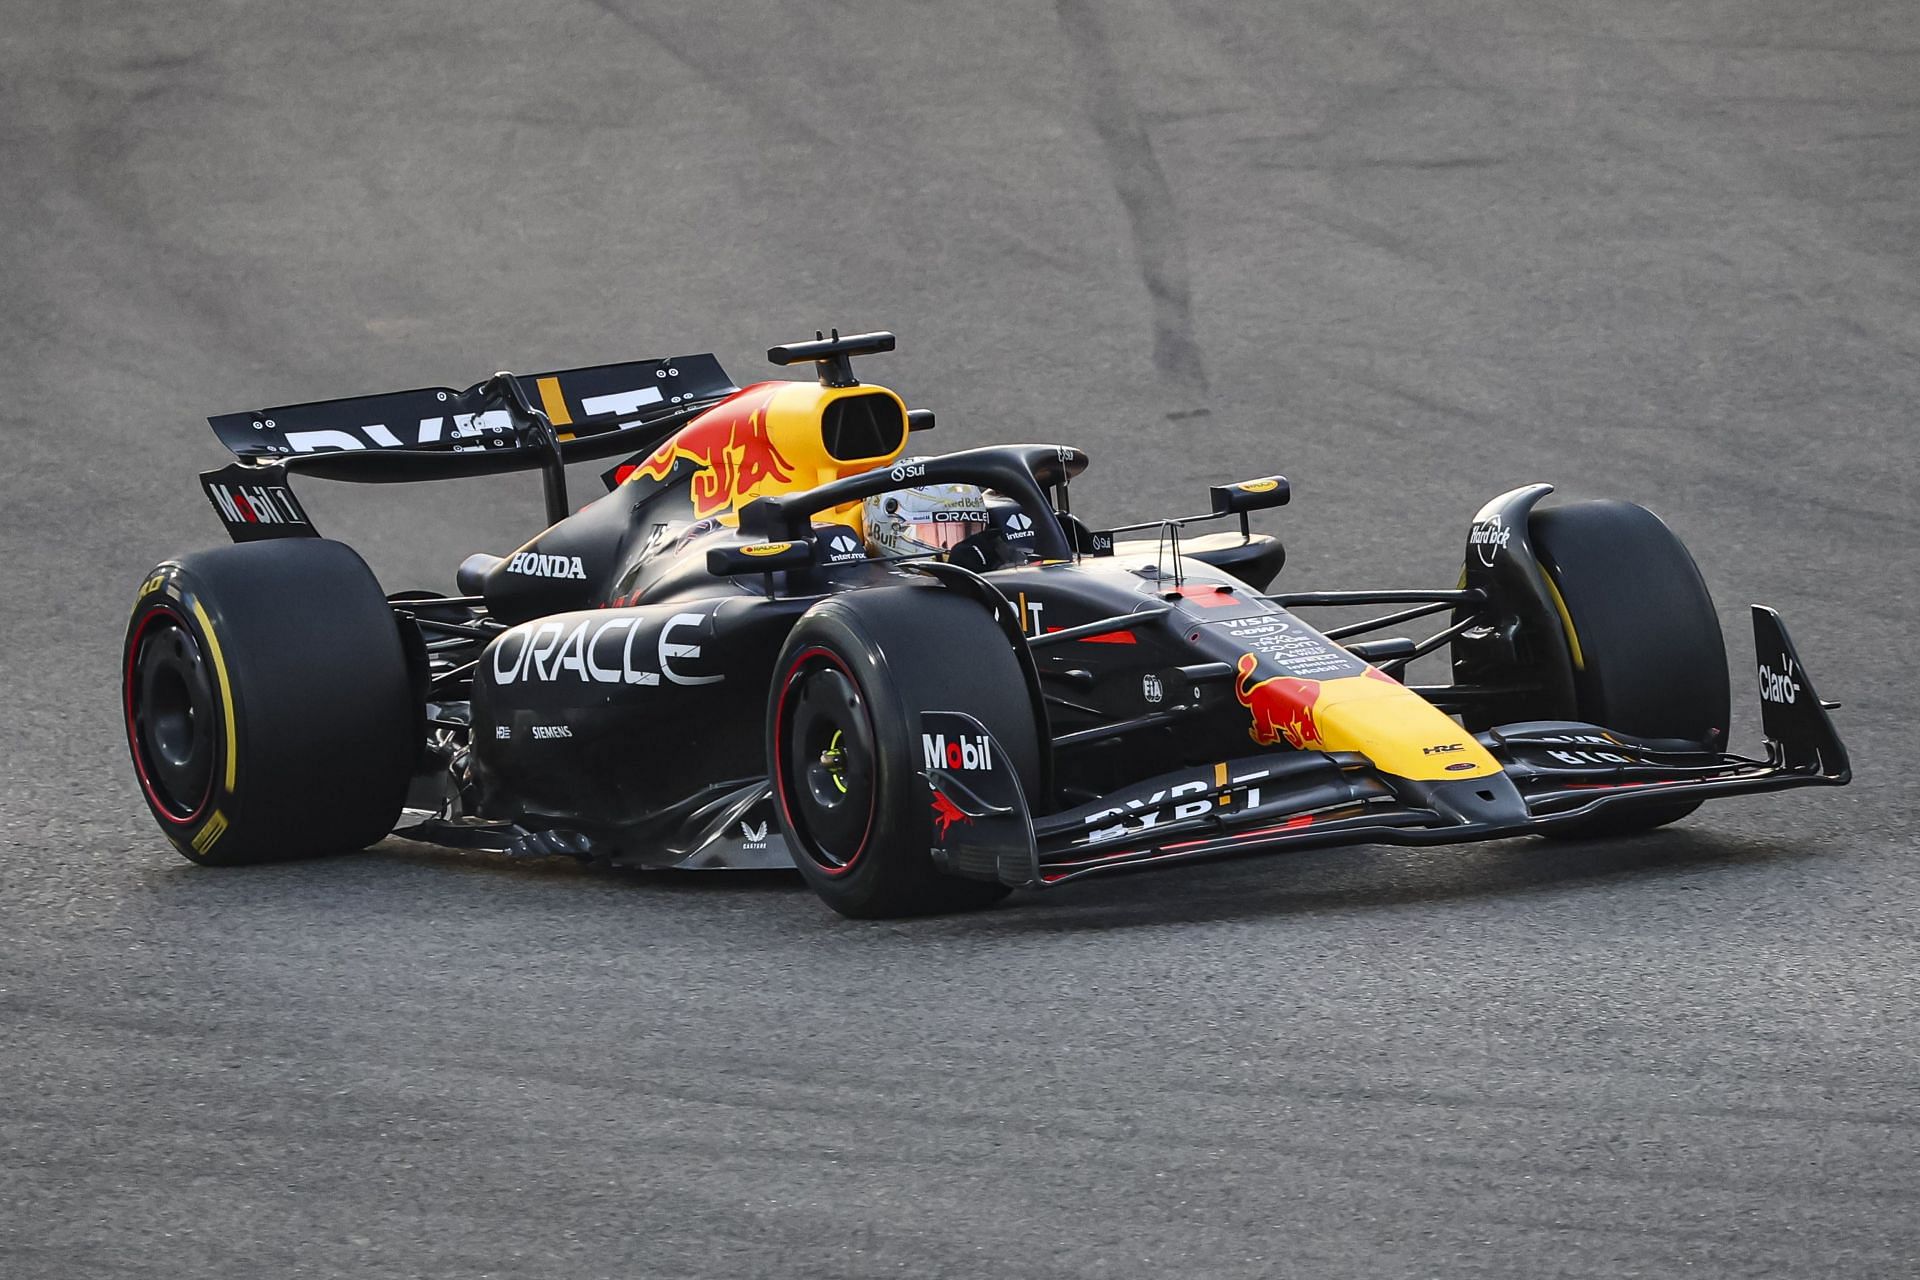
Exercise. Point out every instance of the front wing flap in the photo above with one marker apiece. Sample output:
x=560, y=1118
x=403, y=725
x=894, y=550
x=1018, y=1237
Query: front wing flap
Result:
x=1555, y=774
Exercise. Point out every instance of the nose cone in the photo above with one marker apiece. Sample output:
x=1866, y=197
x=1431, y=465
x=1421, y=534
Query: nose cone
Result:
x=1401, y=732
x=1370, y=713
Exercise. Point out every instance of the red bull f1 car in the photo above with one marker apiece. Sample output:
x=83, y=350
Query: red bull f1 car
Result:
x=722, y=662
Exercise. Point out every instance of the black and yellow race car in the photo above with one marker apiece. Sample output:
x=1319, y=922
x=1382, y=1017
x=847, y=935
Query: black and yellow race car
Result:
x=722, y=662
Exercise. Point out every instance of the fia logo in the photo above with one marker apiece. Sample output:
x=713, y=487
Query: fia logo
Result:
x=1151, y=689
x=753, y=837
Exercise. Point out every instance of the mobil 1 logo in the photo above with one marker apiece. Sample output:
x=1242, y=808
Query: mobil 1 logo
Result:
x=255, y=503
x=960, y=753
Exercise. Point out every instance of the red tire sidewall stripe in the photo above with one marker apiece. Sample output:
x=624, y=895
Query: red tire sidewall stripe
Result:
x=154, y=801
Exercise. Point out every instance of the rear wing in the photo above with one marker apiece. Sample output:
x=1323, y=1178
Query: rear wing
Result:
x=510, y=422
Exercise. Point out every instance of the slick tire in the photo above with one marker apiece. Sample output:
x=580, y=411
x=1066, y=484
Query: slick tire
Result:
x=268, y=707
x=1649, y=659
x=854, y=675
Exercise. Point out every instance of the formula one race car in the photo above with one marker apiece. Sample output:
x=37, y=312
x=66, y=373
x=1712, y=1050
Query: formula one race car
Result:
x=778, y=639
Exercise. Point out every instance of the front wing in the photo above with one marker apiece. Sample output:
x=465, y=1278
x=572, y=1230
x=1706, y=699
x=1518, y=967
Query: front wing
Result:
x=1555, y=775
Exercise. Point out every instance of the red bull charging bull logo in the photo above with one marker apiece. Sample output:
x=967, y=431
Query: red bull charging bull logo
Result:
x=732, y=447
x=1282, y=707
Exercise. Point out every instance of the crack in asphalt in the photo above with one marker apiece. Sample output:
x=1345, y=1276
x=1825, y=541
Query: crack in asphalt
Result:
x=1152, y=216
x=724, y=72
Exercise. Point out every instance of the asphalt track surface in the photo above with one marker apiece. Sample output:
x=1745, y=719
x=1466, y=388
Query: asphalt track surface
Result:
x=1408, y=253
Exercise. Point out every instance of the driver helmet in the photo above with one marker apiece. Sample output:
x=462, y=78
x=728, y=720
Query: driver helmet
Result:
x=928, y=520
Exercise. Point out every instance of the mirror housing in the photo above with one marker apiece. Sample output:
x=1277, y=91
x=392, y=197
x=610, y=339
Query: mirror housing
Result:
x=758, y=557
x=1250, y=495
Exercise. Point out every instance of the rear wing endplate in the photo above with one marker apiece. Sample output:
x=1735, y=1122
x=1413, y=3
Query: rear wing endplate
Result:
x=255, y=503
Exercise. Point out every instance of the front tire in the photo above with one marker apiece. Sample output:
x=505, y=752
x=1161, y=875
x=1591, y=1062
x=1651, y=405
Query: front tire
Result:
x=843, y=741
x=1649, y=659
x=268, y=706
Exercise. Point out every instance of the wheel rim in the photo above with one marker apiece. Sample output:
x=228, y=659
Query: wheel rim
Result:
x=827, y=753
x=171, y=713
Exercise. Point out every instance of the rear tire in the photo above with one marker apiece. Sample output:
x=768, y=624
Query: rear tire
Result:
x=1649, y=659
x=268, y=706
x=849, y=686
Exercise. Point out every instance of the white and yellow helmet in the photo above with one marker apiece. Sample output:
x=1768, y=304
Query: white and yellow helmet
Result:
x=928, y=520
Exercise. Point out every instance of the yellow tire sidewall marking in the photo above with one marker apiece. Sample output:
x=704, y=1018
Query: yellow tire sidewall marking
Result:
x=226, y=694
x=209, y=834
x=1566, y=620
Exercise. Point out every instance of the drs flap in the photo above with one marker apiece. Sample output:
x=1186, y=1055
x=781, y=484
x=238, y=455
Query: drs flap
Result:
x=587, y=400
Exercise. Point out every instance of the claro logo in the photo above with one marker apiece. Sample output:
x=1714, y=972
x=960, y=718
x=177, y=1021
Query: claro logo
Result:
x=1780, y=687
x=600, y=651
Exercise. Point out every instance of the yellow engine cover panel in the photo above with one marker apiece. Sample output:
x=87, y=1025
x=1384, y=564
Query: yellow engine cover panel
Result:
x=768, y=439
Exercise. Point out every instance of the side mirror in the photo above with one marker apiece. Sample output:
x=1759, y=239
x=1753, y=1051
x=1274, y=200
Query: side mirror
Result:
x=1250, y=495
